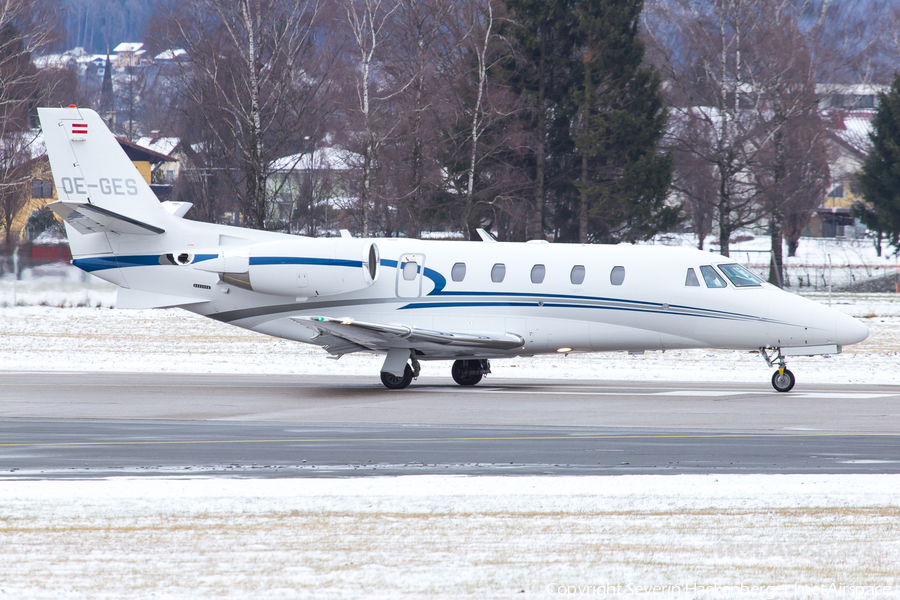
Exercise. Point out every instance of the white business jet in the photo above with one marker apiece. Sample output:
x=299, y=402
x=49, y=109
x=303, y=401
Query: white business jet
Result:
x=415, y=300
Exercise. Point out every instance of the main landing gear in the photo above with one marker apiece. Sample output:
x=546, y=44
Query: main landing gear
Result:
x=469, y=372
x=396, y=358
x=782, y=380
x=465, y=372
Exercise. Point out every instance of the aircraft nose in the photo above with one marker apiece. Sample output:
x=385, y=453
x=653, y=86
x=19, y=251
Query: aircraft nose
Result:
x=848, y=330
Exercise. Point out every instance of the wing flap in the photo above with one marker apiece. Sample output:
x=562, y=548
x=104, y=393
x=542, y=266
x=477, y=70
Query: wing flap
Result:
x=378, y=336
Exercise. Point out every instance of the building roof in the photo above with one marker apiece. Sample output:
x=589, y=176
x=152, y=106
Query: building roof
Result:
x=161, y=144
x=322, y=159
x=853, y=129
x=136, y=152
x=128, y=47
x=170, y=54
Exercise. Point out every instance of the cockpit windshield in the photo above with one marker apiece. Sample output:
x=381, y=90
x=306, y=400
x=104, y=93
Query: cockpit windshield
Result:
x=712, y=279
x=740, y=276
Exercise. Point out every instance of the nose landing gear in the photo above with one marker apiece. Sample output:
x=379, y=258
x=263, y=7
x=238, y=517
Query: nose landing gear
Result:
x=782, y=379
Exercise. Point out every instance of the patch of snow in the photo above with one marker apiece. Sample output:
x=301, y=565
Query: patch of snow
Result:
x=734, y=536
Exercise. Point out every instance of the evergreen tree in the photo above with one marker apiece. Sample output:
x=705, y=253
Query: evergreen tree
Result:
x=598, y=117
x=621, y=119
x=880, y=175
x=539, y=72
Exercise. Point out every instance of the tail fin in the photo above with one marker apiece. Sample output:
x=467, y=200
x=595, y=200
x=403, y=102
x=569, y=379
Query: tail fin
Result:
x=99, y=188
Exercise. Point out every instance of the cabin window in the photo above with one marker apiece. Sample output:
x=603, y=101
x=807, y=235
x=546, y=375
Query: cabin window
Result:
x=740, y=276
x=577, y=275
x=617, y=275
x=537, y=273
x=691, y=279
x=712, y=278
x=498, y=272
x=458, y=272
x=410, y=270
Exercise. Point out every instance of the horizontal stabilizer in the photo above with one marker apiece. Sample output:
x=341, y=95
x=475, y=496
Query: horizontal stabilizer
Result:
x=377, y=336
x=89, y=218
x=129, y=298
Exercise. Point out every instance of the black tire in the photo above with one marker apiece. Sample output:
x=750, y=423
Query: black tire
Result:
x=466, y=372
x=392, y=382
x=783, y=382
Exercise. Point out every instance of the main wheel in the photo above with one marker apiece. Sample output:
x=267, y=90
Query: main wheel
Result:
x=466, y=372
x=783, y=382
x=392, y=382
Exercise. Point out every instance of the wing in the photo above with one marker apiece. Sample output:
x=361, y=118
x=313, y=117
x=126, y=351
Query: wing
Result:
x=341, y=336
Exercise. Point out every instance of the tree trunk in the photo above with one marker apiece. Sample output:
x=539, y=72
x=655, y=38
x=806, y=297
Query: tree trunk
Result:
x=536, y=227
x=776, y=270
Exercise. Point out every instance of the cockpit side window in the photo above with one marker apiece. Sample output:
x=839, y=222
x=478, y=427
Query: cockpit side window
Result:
x=740, y=276
x=712, y=277
x=691, y=280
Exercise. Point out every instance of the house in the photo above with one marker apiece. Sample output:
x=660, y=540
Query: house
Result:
x=848, y=146
x=146, y=160
x=308, y=186
x=164, y=172
x=130, y=54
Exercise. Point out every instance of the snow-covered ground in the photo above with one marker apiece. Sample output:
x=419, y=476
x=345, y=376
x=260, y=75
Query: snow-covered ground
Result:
x=733, y=536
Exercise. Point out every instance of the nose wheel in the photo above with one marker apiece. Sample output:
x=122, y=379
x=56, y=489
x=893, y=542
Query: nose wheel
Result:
x=782, y=379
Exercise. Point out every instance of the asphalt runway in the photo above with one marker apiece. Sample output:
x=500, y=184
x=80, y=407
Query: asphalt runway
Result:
x=74, y=425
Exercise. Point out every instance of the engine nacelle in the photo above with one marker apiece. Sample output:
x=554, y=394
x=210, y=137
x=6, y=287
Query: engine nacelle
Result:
x=298, y=268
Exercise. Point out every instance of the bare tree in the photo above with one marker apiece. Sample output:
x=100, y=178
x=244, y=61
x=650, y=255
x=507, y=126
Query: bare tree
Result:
x=476, y=129
x=252, y=80
x=701, y=48
x=791, y=159
x=26, y=27
x=412, y=56
x=368, y=22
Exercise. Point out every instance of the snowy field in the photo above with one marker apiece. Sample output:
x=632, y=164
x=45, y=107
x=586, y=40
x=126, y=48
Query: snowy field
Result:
x=679, y=537
x=682, y=537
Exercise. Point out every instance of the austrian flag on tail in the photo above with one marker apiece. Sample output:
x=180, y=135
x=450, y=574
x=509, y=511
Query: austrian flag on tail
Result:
x=79, y=130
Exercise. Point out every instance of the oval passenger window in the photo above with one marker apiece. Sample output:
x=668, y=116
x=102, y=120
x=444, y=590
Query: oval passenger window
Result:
x=617, y=275
x=537, y=273
x=458, y=272
x=498, y=272
x=577, y=275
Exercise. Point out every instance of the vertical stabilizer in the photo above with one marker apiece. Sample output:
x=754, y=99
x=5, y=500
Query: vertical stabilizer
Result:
x=99, y=188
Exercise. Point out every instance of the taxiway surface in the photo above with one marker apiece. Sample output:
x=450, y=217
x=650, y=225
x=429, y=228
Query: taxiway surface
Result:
x=88, y=425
